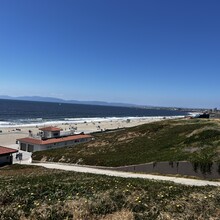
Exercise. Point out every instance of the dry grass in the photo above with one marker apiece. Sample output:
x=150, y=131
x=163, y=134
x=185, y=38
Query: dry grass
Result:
x=31, y=193
x=120, y=215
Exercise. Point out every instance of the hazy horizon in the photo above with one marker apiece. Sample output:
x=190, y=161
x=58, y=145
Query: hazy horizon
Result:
x=90, y=102
x=157, y=53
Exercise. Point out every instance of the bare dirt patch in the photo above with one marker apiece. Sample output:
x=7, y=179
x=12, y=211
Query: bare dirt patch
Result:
x=130, y=135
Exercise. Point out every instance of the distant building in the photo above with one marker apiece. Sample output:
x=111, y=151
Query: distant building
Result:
x=215, y=110
x=6, y=155
x=49, y=138
x=202, y=115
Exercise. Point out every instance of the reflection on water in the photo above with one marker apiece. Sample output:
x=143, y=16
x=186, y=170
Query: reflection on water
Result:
x=202, y=170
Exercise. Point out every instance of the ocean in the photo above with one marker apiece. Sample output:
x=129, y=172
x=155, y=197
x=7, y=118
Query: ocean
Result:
x=14, y=112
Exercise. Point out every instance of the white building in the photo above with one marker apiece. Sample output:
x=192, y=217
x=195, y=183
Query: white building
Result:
x=50, y=132
x=50, y=138
x=6, y=155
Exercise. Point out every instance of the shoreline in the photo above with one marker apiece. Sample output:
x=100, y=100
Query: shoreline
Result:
x=42, y=123
x=9, y=133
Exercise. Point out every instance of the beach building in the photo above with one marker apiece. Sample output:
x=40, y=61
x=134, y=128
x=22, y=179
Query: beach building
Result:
x=50, y=132
x=50, y=138
x=6, y=157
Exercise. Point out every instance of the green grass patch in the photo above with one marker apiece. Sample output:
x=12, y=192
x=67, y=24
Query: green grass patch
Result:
x=171, y=140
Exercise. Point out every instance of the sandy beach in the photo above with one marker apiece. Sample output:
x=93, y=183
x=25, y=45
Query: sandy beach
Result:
x=9, y=134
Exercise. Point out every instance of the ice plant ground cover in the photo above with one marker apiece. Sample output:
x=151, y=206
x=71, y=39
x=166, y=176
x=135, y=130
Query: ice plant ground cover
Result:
x=29, y=192
x=195, y=140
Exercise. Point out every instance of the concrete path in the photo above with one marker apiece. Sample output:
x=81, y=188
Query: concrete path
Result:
x=84, y=169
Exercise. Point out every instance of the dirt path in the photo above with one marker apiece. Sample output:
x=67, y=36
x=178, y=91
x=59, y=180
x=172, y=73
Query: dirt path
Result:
x=84, y=169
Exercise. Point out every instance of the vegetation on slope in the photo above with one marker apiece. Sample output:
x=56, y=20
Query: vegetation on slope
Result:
x=28, y=192
x=195, y=140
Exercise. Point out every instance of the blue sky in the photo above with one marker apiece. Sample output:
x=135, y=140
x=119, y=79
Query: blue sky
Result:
x=153, y=52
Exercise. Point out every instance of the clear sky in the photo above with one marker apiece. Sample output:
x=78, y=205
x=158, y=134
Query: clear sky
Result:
x=153, y=52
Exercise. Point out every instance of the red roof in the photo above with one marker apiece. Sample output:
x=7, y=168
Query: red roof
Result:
x=6, y=150
x=51, y=128
x=53, y=140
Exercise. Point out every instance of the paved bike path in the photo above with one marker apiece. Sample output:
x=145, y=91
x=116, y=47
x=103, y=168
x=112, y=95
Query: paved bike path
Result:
x=85, y=169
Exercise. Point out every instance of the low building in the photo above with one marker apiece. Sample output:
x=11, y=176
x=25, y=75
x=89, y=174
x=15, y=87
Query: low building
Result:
x=50, y=132
x=6, y=157
x=50, y=138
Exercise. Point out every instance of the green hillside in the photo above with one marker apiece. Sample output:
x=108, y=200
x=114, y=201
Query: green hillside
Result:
x=29, y=192
x=170, y=140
